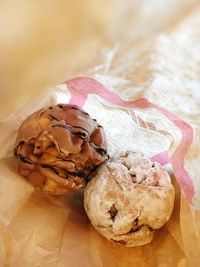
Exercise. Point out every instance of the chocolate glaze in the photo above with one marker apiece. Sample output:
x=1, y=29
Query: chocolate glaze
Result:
x=62, y=138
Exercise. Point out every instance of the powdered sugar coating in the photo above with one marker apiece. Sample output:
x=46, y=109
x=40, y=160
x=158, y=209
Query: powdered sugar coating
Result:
x=143, y=170
x=129, y=198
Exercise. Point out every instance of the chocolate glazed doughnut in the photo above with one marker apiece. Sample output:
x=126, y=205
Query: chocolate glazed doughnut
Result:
x=58, y=147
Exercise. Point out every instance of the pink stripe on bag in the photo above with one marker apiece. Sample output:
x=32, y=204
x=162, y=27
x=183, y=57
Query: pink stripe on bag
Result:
x=162, y=158
x=81, y=87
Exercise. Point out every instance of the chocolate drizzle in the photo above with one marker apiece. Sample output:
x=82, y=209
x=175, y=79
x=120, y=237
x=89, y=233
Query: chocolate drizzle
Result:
x=53, y=117
x=60, y=141
x=83, y=134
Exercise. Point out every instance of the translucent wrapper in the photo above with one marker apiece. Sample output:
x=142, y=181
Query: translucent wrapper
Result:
x=146, y=96
x=55, y=231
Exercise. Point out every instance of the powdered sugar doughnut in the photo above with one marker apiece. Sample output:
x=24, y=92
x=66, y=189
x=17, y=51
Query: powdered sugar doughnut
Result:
x=129, y=198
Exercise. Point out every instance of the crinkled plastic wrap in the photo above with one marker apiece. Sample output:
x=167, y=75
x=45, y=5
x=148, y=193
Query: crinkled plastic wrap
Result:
x=146, y=96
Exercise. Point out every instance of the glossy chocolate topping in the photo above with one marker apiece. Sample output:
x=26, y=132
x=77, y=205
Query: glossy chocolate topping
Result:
x=58, y=147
